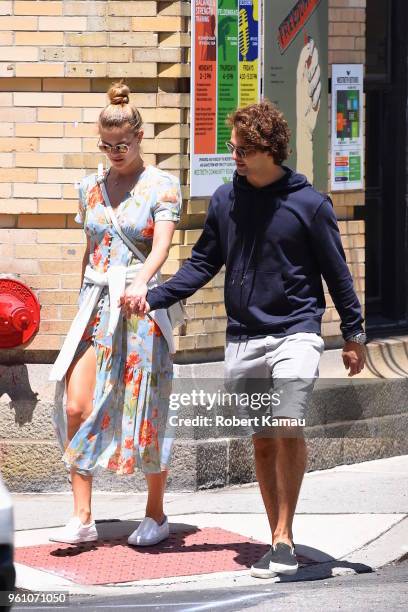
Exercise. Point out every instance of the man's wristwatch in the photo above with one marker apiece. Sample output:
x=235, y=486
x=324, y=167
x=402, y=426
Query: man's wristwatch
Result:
x=360, y=338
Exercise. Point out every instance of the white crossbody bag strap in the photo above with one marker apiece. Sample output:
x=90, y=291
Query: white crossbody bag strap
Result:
x=129, y=243
x=125, y=239
x=176, y=313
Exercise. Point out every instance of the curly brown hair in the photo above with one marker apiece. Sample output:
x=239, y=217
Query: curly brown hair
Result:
x=262, y=126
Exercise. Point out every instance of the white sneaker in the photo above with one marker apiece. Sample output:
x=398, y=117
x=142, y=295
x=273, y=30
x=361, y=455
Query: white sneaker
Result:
x=149, y=533
x=75, y=532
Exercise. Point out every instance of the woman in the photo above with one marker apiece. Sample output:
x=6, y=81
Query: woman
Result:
x=118, y=367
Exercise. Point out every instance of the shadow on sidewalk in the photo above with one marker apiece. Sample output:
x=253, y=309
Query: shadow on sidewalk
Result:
x=320, y=565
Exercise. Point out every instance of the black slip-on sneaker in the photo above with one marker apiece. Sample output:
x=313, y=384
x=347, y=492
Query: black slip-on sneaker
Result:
x=283, y=559
x=261, y=569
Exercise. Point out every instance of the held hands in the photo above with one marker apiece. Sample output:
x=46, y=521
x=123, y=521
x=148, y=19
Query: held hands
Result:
x=133, y=302
x=354, y=356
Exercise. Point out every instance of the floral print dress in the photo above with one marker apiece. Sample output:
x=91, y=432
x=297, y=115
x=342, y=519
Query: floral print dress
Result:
x=128, y=424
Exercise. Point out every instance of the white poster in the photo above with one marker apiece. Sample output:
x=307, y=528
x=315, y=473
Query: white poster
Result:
x=347, y=161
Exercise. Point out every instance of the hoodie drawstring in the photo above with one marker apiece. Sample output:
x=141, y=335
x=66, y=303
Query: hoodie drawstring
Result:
x=245, y=271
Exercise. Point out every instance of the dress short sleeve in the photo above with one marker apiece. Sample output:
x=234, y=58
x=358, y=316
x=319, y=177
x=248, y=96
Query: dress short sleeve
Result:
x=80, y=216
x=167, y=206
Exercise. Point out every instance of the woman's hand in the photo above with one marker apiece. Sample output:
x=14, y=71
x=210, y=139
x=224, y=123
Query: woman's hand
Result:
x=133, y=301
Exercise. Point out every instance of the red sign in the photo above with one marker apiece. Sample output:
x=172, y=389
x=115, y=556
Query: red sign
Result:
x=294, y=22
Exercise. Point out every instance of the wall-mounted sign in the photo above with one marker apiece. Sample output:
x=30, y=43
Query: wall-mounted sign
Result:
x=225, y=75
x=296, y=79
x=347, y=124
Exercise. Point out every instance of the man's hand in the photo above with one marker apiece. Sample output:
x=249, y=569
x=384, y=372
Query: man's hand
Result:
x=145, y=310
x=354, y=356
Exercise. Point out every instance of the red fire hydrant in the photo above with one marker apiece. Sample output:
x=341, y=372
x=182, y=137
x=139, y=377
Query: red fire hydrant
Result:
x=19, y=313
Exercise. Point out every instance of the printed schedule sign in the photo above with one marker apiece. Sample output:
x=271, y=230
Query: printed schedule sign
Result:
x=225, y=75
x=347, y=123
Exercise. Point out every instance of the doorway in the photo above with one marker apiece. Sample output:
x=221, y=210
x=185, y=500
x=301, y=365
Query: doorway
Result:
x=385, y=210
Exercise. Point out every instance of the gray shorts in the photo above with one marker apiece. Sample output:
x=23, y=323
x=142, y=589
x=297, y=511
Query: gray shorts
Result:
x=286, y=368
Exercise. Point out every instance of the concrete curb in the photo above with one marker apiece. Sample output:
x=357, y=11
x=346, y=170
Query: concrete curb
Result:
x=388, y=547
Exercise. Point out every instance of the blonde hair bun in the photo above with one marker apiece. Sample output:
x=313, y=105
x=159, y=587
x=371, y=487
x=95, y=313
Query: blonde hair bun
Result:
x=119, y=93
x=120, y=111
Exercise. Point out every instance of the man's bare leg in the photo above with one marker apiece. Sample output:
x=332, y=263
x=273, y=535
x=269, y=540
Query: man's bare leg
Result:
x=265, y=460
x=280, y=467
x=290, y=466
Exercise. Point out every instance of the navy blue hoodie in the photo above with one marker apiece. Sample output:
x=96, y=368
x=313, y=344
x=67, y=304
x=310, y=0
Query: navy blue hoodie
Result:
x=276, y=243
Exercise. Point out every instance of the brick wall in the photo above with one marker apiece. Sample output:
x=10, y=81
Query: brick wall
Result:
x=347, y=22
x=57, y=59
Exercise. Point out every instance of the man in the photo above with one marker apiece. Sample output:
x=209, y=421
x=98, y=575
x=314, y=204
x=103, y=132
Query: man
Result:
x=276, y=237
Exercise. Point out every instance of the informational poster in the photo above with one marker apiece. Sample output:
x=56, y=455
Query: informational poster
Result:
x=249, y=52
x=347, y=127
x=296, y=79
x=225, y=75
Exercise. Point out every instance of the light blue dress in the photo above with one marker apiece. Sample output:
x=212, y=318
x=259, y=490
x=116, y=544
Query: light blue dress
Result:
x=128, y=423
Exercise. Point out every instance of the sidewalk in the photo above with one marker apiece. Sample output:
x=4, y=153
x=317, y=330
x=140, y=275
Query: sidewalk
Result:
x=349, y=519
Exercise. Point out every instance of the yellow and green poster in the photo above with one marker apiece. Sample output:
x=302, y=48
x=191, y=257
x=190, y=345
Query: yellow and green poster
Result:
x=248, y=52
x=225, y=75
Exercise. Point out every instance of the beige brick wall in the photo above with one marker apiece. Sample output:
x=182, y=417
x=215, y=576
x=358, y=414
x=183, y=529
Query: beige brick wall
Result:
x=347, y=23
x=346, y=45
x=57, y=59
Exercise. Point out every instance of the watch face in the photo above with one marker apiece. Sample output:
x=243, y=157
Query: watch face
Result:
x=360, y=338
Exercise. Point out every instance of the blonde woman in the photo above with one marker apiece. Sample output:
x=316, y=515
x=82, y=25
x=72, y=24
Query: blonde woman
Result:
x=118, y=367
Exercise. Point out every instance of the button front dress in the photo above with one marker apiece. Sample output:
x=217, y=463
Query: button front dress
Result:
x=128, y=424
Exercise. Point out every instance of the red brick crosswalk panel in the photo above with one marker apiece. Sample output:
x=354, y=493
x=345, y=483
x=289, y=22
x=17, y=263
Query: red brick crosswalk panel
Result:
x=185, y=553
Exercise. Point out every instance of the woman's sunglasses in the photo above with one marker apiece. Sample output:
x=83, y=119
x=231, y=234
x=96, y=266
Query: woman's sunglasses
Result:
x=121, y=148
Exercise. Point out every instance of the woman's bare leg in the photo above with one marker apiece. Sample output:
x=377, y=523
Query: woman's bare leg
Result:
x=156, y=485
x=81, y=378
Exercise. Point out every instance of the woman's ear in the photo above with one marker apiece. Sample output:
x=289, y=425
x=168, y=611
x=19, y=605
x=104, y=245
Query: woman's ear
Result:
x=141, y=134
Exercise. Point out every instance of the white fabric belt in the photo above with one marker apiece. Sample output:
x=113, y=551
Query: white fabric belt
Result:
x=116, y=278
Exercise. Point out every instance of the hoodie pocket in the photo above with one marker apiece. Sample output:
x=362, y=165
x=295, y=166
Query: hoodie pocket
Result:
x=258, y=299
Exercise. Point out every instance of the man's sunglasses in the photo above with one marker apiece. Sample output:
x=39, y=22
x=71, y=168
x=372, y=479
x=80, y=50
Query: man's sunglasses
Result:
x=240, y=151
